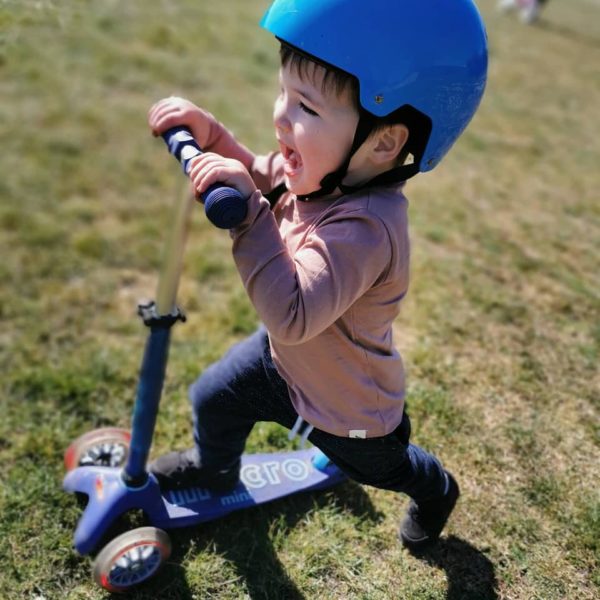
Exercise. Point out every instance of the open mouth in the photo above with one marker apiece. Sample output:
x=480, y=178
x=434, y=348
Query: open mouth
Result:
x=293, y=162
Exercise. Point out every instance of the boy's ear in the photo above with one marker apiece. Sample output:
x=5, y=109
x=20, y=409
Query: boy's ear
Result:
x=388, y=143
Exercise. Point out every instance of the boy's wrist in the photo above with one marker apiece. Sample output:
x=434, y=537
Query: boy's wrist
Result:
x=202, y=128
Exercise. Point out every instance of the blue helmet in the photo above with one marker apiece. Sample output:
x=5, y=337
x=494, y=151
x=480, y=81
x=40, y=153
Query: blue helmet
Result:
x=428, y=54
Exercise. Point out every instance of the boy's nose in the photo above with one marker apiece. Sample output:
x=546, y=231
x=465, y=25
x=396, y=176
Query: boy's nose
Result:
x=282, y=123
x=283, y=126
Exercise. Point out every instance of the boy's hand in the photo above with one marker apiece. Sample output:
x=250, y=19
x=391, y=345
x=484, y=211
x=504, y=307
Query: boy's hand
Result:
x=209, y=168
x=175, y=111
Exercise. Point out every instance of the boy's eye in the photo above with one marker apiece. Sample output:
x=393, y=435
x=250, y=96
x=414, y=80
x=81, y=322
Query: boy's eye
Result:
x=308, y=111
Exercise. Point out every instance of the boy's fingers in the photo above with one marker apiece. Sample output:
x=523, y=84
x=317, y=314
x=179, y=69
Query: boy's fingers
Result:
x=163, y=111
x=204, y=162
x=161, y=105
x=162, y=118
x=206, y=168
x=223, y=174
x=152, y=113
x=156, y=106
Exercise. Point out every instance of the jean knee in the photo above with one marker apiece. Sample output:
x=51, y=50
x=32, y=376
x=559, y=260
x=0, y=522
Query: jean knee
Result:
x=205, y=393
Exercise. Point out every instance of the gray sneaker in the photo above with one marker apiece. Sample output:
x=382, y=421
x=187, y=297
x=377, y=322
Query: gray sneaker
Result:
x=182, y=469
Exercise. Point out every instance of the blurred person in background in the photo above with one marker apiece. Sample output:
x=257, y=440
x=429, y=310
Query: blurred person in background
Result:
x=529, y=10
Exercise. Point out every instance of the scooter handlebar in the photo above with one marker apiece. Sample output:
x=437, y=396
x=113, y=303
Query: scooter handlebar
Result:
x=224, y=206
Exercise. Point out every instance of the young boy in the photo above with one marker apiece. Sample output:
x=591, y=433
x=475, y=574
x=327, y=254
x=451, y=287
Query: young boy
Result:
x=370, y=94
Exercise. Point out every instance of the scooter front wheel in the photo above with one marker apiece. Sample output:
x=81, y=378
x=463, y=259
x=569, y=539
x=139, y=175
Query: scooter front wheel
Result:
x=105, y=447
x=131, y=559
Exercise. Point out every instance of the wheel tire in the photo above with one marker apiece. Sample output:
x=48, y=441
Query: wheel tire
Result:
x=105, y=447
x=131, y=559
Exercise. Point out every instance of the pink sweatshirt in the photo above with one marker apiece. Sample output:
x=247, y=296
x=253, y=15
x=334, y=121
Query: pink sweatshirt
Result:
x=326, y=278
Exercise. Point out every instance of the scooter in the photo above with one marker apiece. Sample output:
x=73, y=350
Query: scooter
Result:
x=108, y=465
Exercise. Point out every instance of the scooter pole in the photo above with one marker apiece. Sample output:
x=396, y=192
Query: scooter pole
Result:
x=159, y=316
x=152, y=376
x=226, y=208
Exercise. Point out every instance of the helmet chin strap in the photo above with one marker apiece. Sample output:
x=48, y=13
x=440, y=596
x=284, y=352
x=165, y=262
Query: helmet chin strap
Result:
x=333, y=180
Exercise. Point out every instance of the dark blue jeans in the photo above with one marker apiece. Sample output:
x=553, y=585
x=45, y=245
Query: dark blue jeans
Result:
x=244, y=387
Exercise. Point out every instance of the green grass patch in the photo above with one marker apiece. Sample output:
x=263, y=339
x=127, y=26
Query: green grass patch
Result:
x=499, y=331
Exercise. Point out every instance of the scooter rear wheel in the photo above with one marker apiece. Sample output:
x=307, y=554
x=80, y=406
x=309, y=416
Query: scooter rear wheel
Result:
x=105, y=447
x=131, y=559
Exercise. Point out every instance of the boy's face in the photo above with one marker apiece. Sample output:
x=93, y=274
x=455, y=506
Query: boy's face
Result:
x=314, y=128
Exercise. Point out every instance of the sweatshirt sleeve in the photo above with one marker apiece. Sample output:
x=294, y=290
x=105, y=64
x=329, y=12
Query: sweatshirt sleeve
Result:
x=298, y=296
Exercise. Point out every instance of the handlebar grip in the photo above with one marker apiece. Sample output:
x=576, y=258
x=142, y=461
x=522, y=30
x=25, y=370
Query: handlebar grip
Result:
x=224, y=206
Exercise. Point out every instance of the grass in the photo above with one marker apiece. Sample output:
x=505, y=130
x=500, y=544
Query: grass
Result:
x=500, y=332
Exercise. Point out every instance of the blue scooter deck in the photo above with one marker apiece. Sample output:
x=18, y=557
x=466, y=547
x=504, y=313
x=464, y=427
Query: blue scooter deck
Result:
x=264, y=478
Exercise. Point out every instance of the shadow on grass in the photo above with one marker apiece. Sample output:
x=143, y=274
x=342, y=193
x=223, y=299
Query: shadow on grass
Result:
x=470, y=573
x=246, y=541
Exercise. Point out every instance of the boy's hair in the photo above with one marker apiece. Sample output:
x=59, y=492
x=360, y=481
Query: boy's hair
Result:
x=336, y=80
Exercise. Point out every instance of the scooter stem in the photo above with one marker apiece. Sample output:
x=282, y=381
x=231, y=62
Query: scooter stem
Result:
x=146, y=405
x=159, y=317
x=168, y=281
